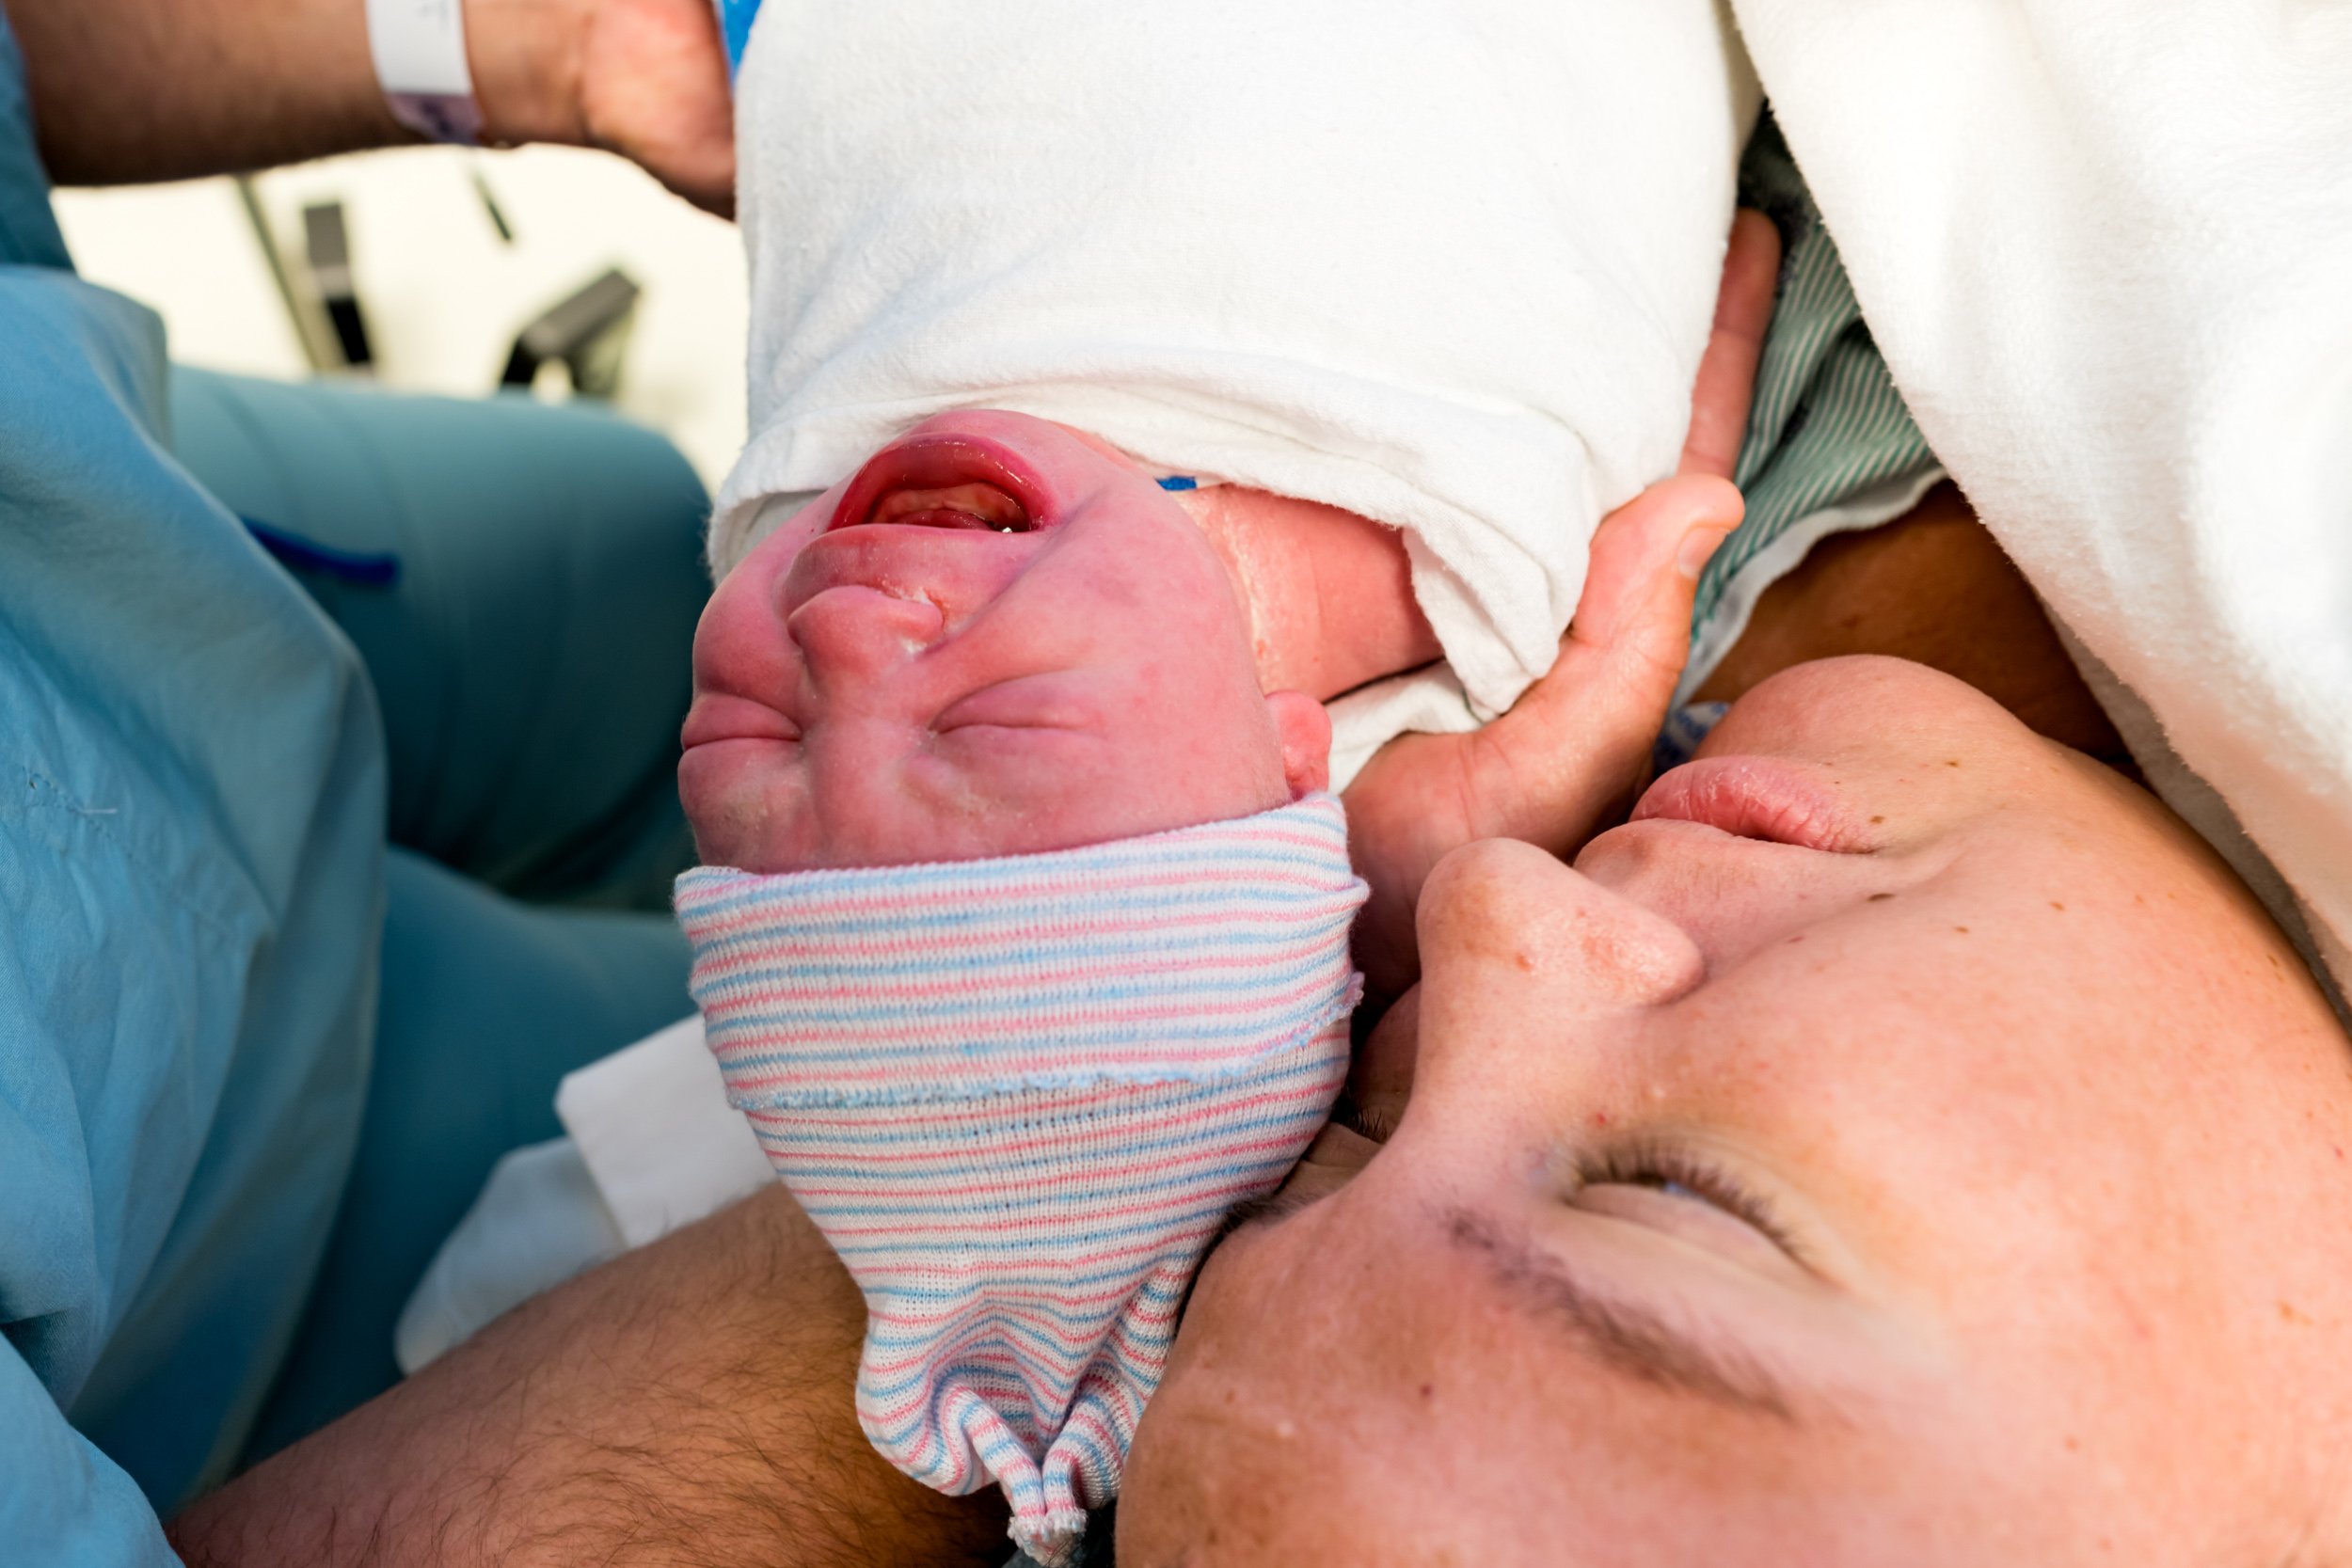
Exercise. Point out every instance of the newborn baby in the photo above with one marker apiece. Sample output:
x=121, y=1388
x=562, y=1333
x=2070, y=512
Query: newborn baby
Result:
x=1447, y=268
x=1024, y=942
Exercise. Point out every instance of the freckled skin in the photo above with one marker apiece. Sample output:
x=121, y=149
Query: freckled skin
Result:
x=2069, y=1192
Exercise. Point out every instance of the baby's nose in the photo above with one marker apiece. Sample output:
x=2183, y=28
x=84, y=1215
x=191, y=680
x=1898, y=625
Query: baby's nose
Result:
x=855, y=633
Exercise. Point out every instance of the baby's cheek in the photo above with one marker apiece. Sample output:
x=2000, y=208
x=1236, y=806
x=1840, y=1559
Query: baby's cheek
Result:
x=741, y=645
x=773, y=538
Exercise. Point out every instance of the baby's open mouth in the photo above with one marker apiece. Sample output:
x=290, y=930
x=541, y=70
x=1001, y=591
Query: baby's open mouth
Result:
x=945, y=480
x=976, y=505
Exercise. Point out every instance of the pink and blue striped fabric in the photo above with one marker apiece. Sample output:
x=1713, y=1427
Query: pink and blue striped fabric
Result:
x=1019, y=1096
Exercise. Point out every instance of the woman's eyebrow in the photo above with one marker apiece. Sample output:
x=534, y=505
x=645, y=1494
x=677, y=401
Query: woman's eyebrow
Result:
x=1625, y=1336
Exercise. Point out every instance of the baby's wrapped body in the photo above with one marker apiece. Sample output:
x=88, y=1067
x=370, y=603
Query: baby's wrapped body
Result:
x=1449, y=268
x=1033, y=962
x=1026, y=952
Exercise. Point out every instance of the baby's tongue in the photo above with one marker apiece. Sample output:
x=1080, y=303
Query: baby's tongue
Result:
x=970, y=506
x=941, y=516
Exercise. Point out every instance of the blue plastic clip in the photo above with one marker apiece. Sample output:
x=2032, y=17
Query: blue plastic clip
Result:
x=1179, y=482
x=735, y=26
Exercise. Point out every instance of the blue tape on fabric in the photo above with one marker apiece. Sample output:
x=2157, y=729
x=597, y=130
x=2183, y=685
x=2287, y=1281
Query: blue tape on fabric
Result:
x=735, y=27
x=1179, y=482
x=303, y=555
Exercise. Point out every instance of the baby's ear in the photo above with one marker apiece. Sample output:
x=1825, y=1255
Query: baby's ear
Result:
x=1306, y=732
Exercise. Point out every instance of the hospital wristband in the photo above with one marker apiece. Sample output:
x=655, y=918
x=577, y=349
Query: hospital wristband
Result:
x=419, y=50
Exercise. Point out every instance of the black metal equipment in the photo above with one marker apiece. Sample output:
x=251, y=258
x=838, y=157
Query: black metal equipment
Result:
x=328, y=244
x=586, y=332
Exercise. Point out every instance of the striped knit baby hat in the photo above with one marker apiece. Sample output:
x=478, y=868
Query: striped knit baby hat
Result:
x=1018, y=1096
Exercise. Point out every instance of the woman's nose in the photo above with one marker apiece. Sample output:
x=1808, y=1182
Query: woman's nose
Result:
x=1524, y=961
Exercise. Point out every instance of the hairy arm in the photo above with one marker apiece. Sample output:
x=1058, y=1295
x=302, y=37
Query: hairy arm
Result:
x=127, y=90
x=688, y=1402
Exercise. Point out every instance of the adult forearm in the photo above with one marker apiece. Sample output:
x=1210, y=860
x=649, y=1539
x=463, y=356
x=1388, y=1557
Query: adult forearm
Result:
x=129, y=91
x=689, y=1401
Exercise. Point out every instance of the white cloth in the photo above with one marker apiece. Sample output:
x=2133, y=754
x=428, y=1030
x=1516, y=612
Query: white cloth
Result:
x=2106, y=246
x=537, y=1221
x=652, y=1145
x=657, y=1132
x=1450, y=267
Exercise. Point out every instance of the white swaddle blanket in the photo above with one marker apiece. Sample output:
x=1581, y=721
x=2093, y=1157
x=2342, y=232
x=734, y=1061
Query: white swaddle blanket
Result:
x=2106, y=248
x=1450, y=267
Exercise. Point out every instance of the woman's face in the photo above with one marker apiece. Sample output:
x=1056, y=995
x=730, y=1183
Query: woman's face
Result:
x=1903, y=1143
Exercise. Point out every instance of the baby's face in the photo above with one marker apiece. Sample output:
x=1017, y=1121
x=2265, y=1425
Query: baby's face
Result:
x=998, y=636
x=1903, y=1143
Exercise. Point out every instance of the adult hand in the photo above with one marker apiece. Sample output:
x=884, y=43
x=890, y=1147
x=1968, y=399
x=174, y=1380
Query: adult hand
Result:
x=1576, y=746
x=646, y=79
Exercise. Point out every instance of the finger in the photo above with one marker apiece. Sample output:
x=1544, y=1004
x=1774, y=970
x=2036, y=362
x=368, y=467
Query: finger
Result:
x=1643, y=571
x=1579, y=738
x=1735, y=345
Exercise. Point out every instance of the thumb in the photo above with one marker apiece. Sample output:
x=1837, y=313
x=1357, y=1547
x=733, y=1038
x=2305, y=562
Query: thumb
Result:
x=1593, y=717
x=1644, y=574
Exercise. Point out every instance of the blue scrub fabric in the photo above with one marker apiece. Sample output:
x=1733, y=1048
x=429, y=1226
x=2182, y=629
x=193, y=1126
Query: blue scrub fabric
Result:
x=531, y=655
x=192, y=794
x=246, y=1048
x=531, y=663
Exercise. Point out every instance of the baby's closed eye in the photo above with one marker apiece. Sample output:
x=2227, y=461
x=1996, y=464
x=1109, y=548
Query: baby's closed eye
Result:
x=1047, y=700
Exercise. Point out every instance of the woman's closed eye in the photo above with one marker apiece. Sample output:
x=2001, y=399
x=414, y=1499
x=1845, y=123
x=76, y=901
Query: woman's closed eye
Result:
x=1687, y=1195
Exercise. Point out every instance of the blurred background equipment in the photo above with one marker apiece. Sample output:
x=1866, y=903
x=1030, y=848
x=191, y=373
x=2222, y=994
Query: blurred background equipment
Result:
x=306, y=330
x=328, y=246
x=586, y=334
x=407, y=265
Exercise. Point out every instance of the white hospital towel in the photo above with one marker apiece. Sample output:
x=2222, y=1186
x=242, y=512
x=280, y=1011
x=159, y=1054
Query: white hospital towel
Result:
x=2106, y=248
x=652, y=1145
x=1447, y=267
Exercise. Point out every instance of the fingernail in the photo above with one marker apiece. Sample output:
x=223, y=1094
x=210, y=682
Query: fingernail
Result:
x=1698, y=548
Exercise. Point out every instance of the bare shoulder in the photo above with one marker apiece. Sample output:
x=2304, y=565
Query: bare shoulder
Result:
x=1933, y=587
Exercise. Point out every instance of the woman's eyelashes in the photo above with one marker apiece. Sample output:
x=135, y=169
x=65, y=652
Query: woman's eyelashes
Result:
x=1367, y=1118
x=1656, y=1176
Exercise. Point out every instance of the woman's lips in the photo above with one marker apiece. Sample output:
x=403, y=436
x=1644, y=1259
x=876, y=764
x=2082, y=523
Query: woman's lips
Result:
x=943, y=463
x=1771, y=798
